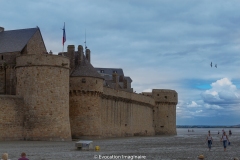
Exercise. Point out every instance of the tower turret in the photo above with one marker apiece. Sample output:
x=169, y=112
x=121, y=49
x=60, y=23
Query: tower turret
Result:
x=80, y=54
x=43, y=82
x=164, y=112
x=86, y=87
x=71, y=56
x=88, y=55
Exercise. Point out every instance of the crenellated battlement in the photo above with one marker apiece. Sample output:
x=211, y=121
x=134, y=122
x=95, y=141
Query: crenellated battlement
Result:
x=83, y=92
x=42, y=60
x=165, y=95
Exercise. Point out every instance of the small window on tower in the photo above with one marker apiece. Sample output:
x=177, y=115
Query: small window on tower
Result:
x=165, y=97
x=2, y=57
x=114, y=71
x=83, y=80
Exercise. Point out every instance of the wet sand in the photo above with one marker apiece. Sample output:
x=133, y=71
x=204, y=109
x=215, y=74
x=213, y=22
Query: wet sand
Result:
x=184, y=146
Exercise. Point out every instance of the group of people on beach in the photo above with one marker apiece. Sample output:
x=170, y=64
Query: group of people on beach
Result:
x=23, y=156
x=230, y=132
x=224, y=139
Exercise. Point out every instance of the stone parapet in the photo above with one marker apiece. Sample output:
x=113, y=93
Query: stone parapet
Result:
x=47, y=60
x=127, y=96
x=165, y=95
x=86, y=84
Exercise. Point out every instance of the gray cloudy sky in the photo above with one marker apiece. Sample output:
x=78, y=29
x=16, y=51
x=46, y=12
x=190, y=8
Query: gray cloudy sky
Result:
x=164, y=44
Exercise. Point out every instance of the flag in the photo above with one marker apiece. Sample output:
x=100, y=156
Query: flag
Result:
x=64, y=35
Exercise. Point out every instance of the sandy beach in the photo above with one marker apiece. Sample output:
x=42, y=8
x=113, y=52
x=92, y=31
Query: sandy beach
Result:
x=184, y=146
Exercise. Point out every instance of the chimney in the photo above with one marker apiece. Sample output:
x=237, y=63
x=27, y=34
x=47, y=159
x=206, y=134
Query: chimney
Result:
x=88, y=55
x=1, y=29
x=80, y=54
x=70, y=49
x=125, y=84
x=71, y=56
x=115, y=79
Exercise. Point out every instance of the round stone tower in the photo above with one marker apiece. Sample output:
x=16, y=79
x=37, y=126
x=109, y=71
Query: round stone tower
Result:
x=86, y=87
x=43, y=82
x=164, y=112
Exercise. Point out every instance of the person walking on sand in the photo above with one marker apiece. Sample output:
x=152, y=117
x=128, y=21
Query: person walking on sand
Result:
x=5, y=156
x=224, y=139
x=23, y=157
x=209, y=139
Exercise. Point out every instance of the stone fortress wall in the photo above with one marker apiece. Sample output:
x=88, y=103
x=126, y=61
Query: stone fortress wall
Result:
x=85, y=106
x=101, y=111
x=41, y=100
x=56, y=107
x=126, y=114
x=165, y=111
x=43, y=82
x=11, y=117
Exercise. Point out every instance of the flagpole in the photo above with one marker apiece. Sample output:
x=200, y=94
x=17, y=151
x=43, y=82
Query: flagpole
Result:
x=64, y=38
x=63, y=50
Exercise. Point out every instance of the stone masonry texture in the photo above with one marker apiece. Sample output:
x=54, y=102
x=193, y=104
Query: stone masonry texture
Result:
x=43, y=82
x=11, y=117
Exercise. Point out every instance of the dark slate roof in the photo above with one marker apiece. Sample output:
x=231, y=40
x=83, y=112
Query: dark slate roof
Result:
x=85, y=69
x=15, y=40
x=128, y=79
x=110, y=71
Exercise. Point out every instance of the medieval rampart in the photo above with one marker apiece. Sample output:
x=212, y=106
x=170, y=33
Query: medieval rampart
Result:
x=126, y=114
x=11, y=117
x=85, y=106
x=43, y=82
x=165, y=111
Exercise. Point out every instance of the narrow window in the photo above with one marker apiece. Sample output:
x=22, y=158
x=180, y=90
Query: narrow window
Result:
x=96, y=81
x=2, y=57
x=157, y=94
x=165, y=97
x=83, y=80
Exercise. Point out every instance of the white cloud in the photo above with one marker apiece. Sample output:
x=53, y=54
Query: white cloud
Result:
x=193, y=105
x=208, y=106
x=222, y=92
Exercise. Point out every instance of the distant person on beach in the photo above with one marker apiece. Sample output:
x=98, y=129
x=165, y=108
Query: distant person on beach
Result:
x=23, y=157
x=224, y=139
x=230, y=132
x=209, y=140
x=223, y=132
x=5, y=156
